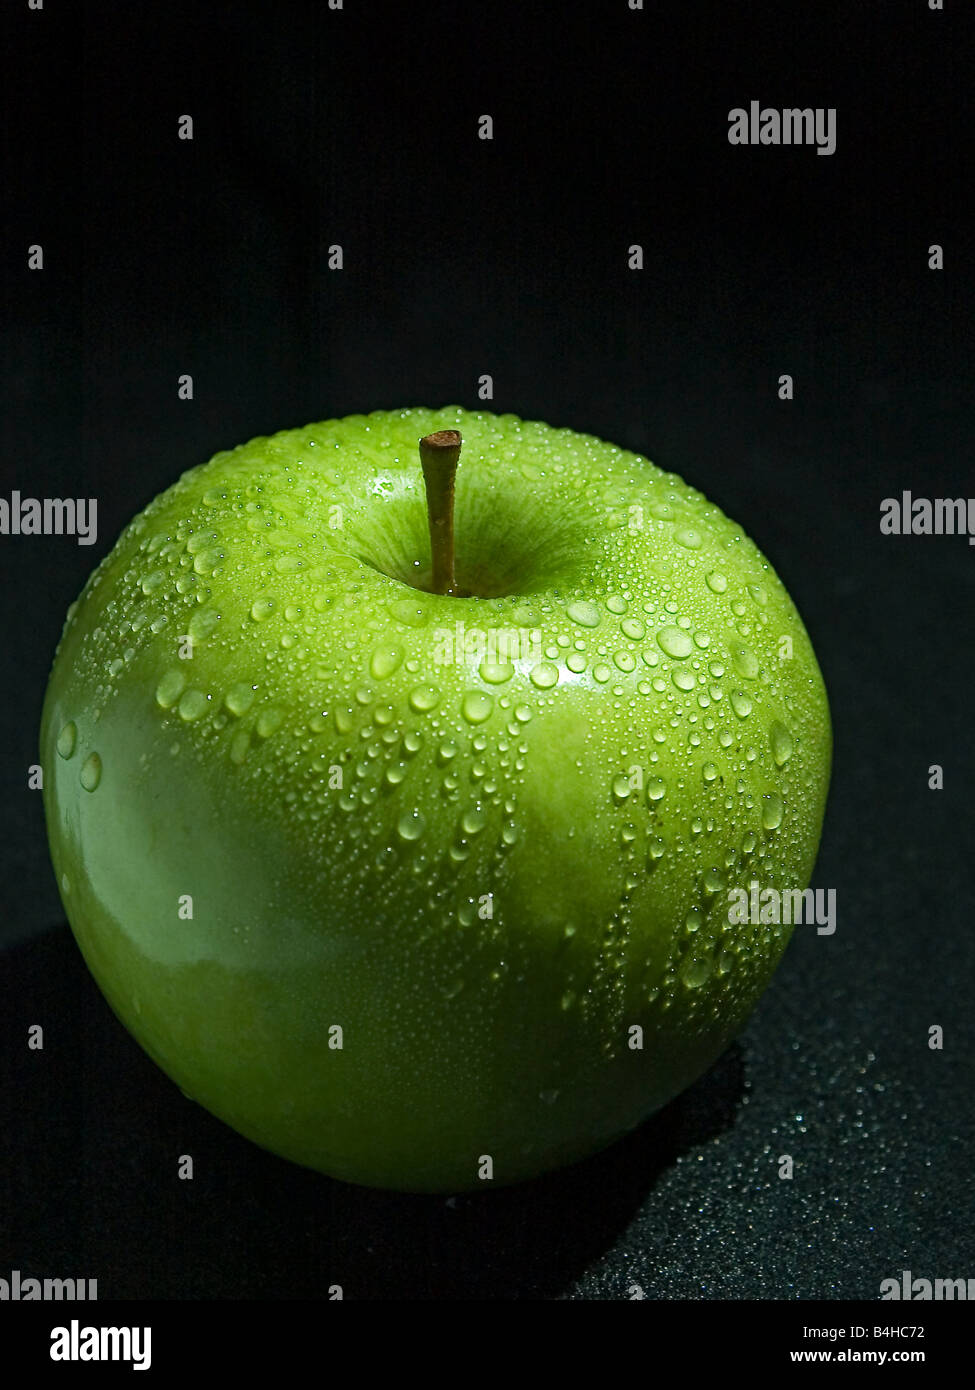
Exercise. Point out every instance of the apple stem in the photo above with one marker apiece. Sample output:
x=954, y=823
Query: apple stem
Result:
x=439, y=453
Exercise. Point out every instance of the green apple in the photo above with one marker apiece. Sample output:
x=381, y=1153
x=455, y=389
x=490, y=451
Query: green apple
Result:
x=416, y=869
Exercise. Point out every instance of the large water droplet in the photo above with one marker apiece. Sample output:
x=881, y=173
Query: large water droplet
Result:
x=239, y=698
x=170, y=688
x=424, y=698
x=496, y=672
x=384, y=661
x=745, y=662
x=410, y=825
x=192, y=705
x=268, y=722
x=782, y=743
x=675, y=642
x=741, y=704
x=476, y=706
x=91, y=772
x=585, y=614
x=697, y=971
x=67, y=739
x=655, y=788
x=544, y=675
x=772, y=811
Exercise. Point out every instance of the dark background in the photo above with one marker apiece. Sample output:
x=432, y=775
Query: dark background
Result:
x=463, y=257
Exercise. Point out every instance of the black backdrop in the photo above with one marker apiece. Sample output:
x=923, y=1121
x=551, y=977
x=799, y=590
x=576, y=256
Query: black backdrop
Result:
x=358, y=126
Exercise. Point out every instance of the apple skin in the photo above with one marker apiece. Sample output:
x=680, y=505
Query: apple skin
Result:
x=471, y=1025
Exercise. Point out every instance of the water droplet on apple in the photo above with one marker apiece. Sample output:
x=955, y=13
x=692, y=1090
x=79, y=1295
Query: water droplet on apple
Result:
x=713, y=881
x=782, y=743
x=585, y=614
x=202, y=624
x=473, y=821
x=262, y=608
x=717, y=582
x=741, y=704
x=410, y=825
x=67, y=739
x=544, y=675
x=268, y=722
x=655, y=851
x=424, y=698
x=170, y=688
x=655, y=788
x=697, y=971
x=408, y=612
x=621, y=788
x=239, y=698
x=496, y=672
x=91, y=772
x=384, y=661
x=772, y=811
x=633, y=628
x=476, y=707
x=192, y=705
x=673, y=641
x=745, y=662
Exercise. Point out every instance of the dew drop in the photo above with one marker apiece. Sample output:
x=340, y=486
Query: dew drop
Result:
x=473, y=821
x=410, y=825
x=772, y=811
x=697, y=972
x=741, y=704
x=91, y=772
x=476, y=706
x=170, y=688
x=673, y=641
x=745, y=662
x=424, y=698
x=384, y=661
x=782, y=743
x=192, y=705
x=585, y=614
x=67, y=739
x=544, y=675
x=262, y=608
x=716, y=582
x=239, y=698
x=496, y=672
x=268, y=722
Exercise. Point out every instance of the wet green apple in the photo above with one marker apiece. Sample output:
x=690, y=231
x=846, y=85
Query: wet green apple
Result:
x=402, y=837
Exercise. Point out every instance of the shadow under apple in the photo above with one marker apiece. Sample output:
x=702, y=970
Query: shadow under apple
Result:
x=95, y=1143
